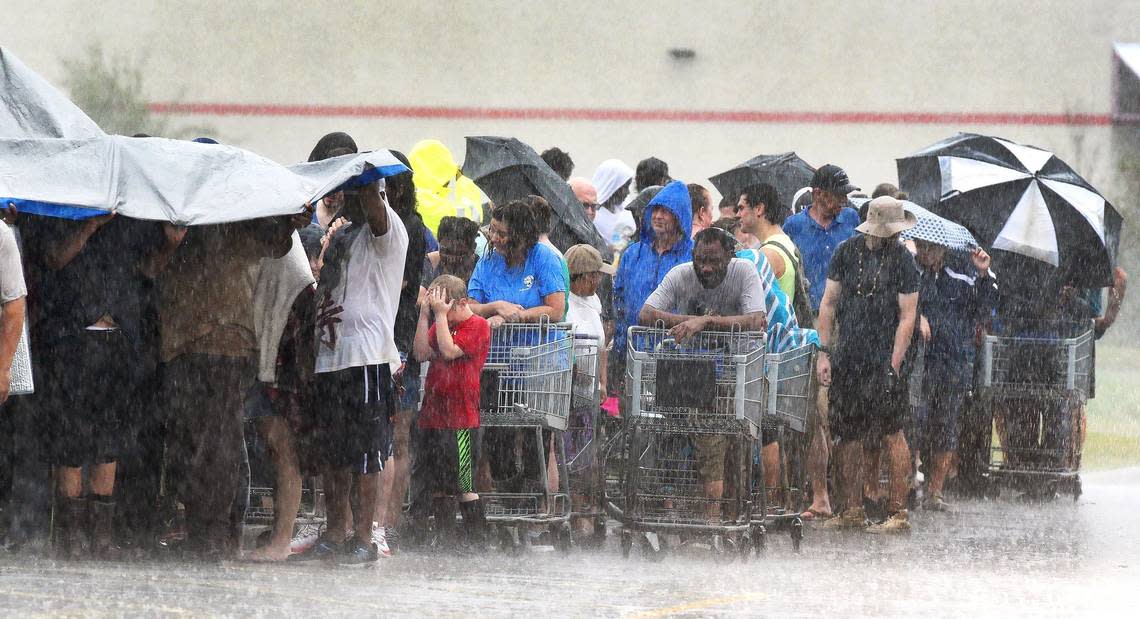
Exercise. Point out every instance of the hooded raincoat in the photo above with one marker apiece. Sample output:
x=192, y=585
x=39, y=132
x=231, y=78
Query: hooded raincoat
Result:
x=641, y=268
x=440, y=189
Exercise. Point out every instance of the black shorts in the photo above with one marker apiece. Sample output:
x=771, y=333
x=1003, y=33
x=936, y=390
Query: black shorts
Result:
x=352, y=418
x=445, y=460
x=92, y=383
x=861, y=408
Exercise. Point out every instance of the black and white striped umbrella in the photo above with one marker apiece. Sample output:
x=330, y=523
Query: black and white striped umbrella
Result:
x=1018, y=199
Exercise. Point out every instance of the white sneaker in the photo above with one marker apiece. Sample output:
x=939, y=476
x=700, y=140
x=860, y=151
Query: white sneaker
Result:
x=380, y=538
x=305, y=537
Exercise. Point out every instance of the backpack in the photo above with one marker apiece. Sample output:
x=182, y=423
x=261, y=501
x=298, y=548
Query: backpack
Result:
x=801, y=303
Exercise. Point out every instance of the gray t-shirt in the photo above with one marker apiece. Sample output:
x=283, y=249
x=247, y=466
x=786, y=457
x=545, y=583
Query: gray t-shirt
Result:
x=11, y=272
x=682, y=293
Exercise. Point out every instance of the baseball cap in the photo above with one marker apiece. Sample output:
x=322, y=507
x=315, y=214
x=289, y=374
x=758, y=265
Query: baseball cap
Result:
x=585, y=259
x=832, y=178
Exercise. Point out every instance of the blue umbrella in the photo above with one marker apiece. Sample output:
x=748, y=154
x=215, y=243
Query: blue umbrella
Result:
x=932, y=228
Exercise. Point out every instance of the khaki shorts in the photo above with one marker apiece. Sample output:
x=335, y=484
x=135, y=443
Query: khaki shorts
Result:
x=710, y=453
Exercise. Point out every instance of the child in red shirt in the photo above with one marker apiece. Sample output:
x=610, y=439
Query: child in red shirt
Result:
x=446, y=440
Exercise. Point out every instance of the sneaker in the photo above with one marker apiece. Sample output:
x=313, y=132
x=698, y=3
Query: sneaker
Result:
x=854, y=518
x=898, y=522
x=393, y=537
x=358, y=555
x=323, y=549
x=307, y=534
x=380, y=540
x=937, y=504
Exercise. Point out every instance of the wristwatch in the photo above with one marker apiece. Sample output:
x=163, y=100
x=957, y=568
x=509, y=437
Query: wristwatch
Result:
x=825, y=349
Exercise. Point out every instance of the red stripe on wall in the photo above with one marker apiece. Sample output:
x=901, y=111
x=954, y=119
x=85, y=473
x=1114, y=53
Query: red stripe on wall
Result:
x=603, y=114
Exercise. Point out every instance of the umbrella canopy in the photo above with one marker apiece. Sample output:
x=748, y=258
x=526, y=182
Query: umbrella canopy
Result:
x=55, y=161
x=931, y=228
x=785, y=171
x=1018, y=199
x=507, y=169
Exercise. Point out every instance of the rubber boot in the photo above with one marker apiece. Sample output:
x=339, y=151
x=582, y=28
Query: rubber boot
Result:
x=71, y=541
x=102, y=528
x=474, y=524
x=443, y=508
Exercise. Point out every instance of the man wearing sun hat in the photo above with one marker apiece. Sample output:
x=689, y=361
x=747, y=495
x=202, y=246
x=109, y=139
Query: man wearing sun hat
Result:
x=871, y=296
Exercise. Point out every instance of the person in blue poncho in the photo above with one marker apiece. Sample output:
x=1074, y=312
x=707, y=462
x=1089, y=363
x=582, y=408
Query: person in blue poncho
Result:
x=663, y=244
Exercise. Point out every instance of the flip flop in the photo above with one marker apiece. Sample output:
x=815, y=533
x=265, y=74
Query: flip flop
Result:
x=813, y=514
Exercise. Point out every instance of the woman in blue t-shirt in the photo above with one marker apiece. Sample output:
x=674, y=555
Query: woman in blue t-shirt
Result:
x=521, y=279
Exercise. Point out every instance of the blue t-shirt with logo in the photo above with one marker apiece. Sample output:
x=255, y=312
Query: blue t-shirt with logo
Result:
x=527, y=284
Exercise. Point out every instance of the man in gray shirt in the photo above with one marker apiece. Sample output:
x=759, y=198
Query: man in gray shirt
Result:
x=12, y=293
x=717, y=292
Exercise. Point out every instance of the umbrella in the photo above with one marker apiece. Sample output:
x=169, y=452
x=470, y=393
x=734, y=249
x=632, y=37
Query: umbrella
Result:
x=931, y=228
x=786, y=172
x=1018, y=199
x=55, y=161
x=507, y=169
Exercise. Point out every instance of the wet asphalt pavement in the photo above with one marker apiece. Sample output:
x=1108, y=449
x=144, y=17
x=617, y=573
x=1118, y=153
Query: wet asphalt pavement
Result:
x=992, y=558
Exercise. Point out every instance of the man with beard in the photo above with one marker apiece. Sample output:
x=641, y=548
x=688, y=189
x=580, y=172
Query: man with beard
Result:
x=714, y=292
x=872, y=297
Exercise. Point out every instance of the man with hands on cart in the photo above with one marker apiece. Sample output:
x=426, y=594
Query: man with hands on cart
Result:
x=716, y=292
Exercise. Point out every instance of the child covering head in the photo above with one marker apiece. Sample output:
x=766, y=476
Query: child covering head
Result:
x=447, y=442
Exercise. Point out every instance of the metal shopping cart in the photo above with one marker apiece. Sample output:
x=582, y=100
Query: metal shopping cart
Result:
x=1035, y=380
x=791, y=396
x=524, y=407
x=693, y=407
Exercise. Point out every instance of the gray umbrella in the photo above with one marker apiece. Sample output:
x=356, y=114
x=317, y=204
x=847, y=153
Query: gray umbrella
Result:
x=785, y=171
x=507, y=169
x=931, y=228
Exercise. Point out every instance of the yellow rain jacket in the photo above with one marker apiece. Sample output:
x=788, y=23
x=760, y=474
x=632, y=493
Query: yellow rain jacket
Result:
x=440, y=189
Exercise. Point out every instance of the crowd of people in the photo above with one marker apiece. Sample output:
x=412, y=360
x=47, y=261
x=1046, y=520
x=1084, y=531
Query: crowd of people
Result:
x=352, y=338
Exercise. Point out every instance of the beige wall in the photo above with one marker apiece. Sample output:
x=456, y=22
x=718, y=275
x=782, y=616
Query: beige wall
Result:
x=861, y=55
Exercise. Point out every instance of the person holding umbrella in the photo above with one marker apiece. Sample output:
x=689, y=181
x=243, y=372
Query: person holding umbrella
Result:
x=955, y=293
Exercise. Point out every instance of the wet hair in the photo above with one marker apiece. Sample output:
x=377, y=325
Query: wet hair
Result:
x=454, y=287
x=651, y=171
x=728, y=224
x=543, y=213
x=333, y=141
x=311, y=236
x=763, y=193
x=522, y=227
x=699, y=197
x=559, y=161
x=400, y=189
x=459, y=228
x=884, y=189
x=717, y=235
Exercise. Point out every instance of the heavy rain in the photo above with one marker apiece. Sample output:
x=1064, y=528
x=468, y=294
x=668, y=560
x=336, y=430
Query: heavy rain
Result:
x=602, y=309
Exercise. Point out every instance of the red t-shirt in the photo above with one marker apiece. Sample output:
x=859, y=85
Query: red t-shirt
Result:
x=451, y=390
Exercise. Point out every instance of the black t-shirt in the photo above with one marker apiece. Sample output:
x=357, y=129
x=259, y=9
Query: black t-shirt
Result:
x=868, y=311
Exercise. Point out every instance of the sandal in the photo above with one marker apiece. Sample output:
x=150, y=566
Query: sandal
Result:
x=814, y=514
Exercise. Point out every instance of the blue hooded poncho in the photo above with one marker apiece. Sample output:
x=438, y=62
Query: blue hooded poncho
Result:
x=641, y=269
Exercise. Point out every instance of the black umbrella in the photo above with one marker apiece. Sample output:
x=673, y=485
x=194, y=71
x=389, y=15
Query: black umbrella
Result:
x=1018, y=199
x=506, y=169
x=786, y=172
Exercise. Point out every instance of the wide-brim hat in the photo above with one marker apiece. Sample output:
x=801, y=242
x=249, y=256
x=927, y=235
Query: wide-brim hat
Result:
x=886, y=217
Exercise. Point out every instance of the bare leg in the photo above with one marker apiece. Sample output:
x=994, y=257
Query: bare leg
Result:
x=849, y=457
x=69, y=481
x=872, y=466
x=898, y=479
x=386, y=488
x=336, y=504
x=714, y=490
x=939, y=468
x=103, y=479
x=287, y=494
x=818, y=456
x=770, y=458
x=401, y=472
x=552, y=479
x=369, y=496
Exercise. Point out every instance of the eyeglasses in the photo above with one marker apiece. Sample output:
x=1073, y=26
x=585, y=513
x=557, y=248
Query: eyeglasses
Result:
x=589, y=207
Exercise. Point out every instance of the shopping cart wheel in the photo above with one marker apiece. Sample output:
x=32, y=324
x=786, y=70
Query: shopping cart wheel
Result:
x=626, y=542
x=797, y=530
x=651, y=547
x=992, y=489
x=509, y=540
x=1077, y=488
x=723, y=550
x=745, y=547
x=598, y=538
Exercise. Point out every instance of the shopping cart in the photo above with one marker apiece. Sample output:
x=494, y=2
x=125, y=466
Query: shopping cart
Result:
x=692, y=403
x=792, y=391
x=525, y=401
x=583, y=437
x=1035, y=380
